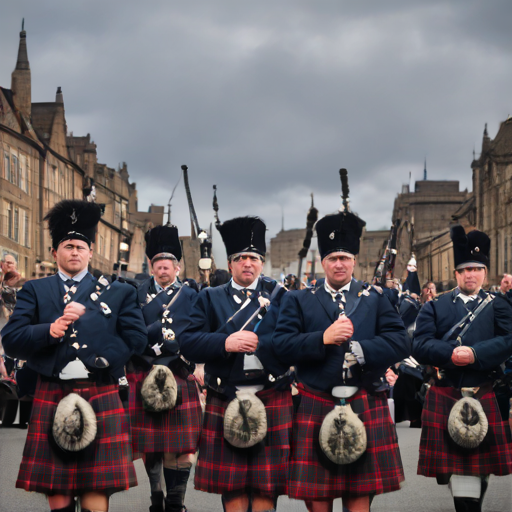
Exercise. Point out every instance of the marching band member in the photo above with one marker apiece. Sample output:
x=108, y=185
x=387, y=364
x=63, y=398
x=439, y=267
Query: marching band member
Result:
x=166, y=437
x=466, y=334
x=341, y=336
x=238, y=457
x=77, y=333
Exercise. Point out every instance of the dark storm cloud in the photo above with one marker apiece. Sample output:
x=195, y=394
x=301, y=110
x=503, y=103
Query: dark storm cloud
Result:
x=269, y=99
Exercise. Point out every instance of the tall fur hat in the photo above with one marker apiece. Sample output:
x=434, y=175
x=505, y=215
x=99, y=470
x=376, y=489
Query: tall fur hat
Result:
x=245, y=420
x=467, y=423
x=243, y=234
x=471, y=249
x=162, y=240
x=74, y=424
x=412, y=283
x=73, y=220
x=159, y=390
x=339, y=232
x=343, y=435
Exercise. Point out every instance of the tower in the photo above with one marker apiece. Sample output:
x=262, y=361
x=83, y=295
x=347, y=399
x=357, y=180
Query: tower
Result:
x=21, y=84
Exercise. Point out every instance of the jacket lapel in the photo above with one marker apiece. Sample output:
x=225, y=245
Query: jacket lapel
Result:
x=57, y=291
x=325, y=299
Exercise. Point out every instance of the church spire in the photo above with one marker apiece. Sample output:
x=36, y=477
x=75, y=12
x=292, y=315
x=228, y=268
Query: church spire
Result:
x=21, y=83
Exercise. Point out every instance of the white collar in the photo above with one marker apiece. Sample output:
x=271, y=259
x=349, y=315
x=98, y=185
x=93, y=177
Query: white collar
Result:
x=78, y=277
x=252, y=286
x=329, y=289
x=466, y=298
x=159, y=287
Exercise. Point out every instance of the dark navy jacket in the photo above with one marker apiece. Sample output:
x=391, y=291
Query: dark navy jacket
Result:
x=204, y=341
x=408, y=310
x=489, y=336
x=306, y=314
x=153, y=311
x=115, y=336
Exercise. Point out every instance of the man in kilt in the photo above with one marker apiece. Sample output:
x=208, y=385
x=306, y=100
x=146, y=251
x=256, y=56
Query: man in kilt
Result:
x=465, y=334
x=166, y=438
x=222, y=335
x=77, y=333
x=341, y=336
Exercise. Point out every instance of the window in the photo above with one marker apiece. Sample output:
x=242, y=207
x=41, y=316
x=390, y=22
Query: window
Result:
x=26, y=238
x=7, y=167
x=16, y=224
x=9, y=219
x=15, y=170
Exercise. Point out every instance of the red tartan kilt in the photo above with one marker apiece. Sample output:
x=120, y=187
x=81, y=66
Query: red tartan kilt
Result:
x=105, y=465
x=440, y=455
x=264, y=467
x=175, y=431
x=314, y=477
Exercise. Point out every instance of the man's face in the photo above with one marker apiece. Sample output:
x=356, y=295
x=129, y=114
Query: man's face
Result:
x=8, y=264
x=72, y=256
x=470, y=279
x=164, y=272
x=245, y=268
x=506, y=283
x=338, y=268
x=429, y=292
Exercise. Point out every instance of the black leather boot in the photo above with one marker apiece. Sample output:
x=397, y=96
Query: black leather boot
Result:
x=176, y=485
x=157, y=502
x=467, y=505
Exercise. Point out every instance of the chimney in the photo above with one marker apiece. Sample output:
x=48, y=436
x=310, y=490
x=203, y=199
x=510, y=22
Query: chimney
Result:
x=59, y=98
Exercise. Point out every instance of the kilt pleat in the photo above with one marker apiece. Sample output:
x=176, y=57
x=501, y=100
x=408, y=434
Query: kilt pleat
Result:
x=314, y=477
x=105, y=465
x=440, y=455
x=223, y=468
x=175, y=431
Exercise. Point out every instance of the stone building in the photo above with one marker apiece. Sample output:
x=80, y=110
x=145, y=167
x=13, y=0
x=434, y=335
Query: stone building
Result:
x=41, y=164
x=371, y=248
x=491, y=208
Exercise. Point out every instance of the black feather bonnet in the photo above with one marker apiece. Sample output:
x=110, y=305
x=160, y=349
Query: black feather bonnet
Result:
x=471, y=249
x=72, y=219
x=163, y=242
x=243, y=234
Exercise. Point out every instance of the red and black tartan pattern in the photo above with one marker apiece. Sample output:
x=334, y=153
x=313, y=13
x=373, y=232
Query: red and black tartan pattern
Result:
x=175, y=431
x=222, y=468
x=440, y=455
x=105, y=465
x=314, y=477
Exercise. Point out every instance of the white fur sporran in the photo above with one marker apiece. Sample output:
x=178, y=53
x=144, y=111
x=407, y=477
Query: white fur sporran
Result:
x=159, y=390
x=467, y=423
x=245, y=420
x=74, y=424
x=343, y=435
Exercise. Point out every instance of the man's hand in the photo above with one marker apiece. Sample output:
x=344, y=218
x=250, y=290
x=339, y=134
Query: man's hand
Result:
x=339, y=332
x=73, y=311
x=462, y=356
x=391, y=377
x=199, y=374
x=242, y=341
x=59, y=327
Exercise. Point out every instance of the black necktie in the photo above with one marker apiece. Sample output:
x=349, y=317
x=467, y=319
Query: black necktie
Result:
x=70, y=286
x=471, y=305
x=340, y=299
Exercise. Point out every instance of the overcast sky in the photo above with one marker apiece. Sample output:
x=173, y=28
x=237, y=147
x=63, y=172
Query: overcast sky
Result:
x=269, y=99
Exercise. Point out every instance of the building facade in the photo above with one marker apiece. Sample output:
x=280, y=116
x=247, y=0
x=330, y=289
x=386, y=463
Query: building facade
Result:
x=41, y=164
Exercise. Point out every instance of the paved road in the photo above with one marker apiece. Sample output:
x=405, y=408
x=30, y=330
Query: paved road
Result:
x=419, y=494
